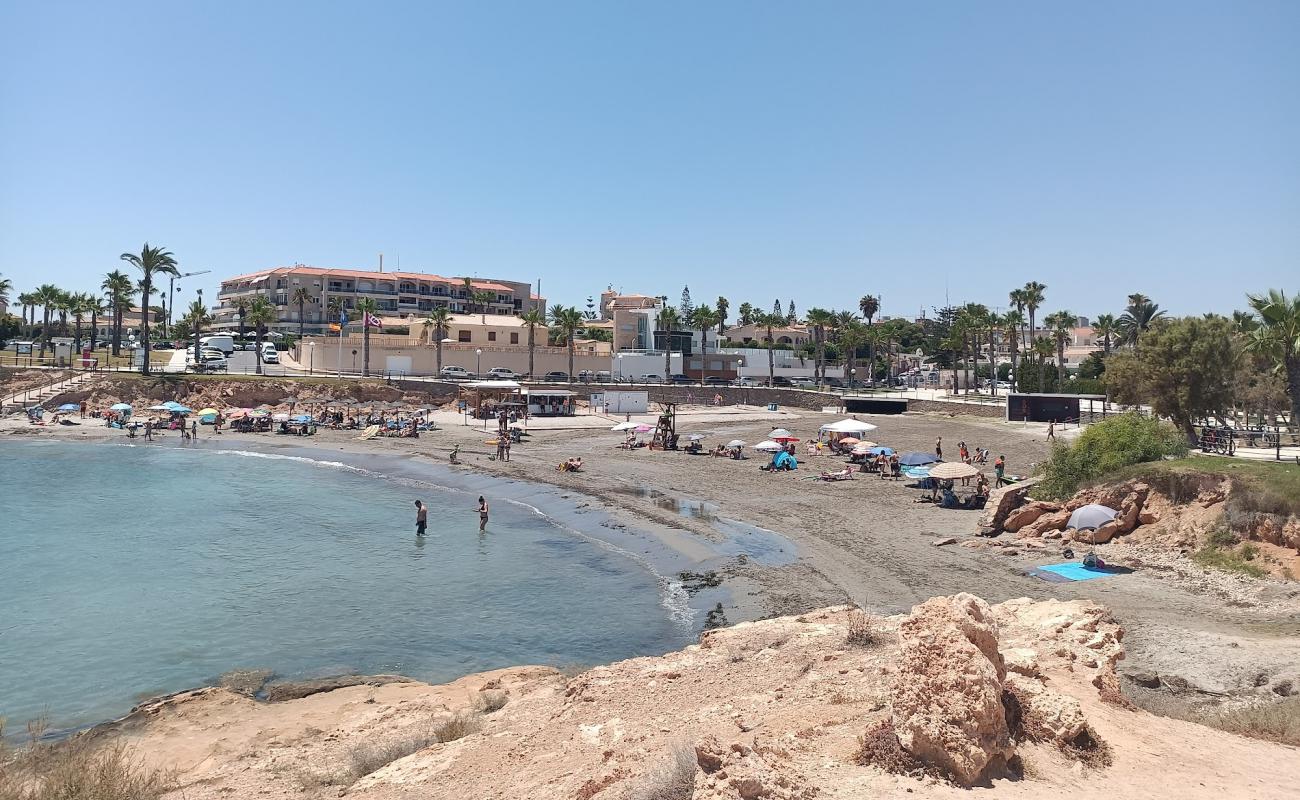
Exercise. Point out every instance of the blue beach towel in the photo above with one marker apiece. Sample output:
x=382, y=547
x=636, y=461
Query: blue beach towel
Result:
x=1074, y=571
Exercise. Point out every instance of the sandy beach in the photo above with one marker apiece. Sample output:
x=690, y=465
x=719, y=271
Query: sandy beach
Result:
x=864, y=541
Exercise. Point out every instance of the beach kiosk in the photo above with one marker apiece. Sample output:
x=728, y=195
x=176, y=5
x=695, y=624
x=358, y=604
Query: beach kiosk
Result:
x=546, y=402
x=487, y=398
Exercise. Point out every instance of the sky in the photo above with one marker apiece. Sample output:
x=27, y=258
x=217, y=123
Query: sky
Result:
x=925, y=152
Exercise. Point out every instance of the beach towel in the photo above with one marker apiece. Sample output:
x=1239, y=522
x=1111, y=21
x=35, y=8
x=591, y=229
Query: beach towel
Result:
x=370, y=432
x=1074, y=571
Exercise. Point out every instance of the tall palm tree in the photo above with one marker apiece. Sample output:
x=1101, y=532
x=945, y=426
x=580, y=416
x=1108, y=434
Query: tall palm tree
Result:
x=6, y=286
x=1062, y=326
x=1033, y=295
x=195, y=318
x=1012, y=324
x=95, y=307
x=468, y=285
x=438, y=320
x=567, y=321
x=869, y=305
x=117, y=290
x=366, y=305
x=820, y=320
x=852, y=334
x=28, y=301
x=151, y=261
x=241, y=311
x=667, y=321
x=1043, y=348
x=300, y=297
x=532, y=319
x=482, y=299
x=770, y=321
x=704, y=318
x=77, y=307
x=64, y=305
x=1277, y=336
x=1105, y=326
x=259, y=314
x=723, y=306
x=46, y=295
x=1137, y=318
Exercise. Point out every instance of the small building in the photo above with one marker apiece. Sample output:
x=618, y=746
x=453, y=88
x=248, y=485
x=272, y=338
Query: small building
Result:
x=547, y=402
x=1051, y=407
x=621, y=402
x=486, y=398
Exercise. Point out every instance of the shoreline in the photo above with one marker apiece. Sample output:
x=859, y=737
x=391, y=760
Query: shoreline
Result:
x=861, y=541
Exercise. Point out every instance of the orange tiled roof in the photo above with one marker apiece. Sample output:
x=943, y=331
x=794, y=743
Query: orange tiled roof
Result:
x=364, y=273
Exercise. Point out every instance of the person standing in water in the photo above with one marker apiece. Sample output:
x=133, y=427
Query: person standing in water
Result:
x=421, y=518
x=482, y=512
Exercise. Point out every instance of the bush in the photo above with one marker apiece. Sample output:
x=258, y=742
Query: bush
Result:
x=860, y=633
x=75, y=769
x=879, y=747
x=1105, y=447
x=672, y=779
x=1274, y=722
x=489, y=700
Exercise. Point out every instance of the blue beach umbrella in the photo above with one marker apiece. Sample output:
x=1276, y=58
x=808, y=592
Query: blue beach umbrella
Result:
x=918, y=459
x=301, y=418
x=879, y=451
x=69, y=407
x=180, y=409
x=917, y=472
x=120, y=407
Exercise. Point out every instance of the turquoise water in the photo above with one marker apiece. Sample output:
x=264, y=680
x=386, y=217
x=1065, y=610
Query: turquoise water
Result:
x=127, y=572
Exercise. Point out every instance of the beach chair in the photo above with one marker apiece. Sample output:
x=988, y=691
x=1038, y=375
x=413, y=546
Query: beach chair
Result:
x=370, y=432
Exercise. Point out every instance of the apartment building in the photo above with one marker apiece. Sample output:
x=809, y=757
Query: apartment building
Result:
x=395, y=293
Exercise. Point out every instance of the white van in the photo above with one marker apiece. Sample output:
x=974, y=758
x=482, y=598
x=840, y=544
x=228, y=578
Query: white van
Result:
x=225, y=344
x=269, y=354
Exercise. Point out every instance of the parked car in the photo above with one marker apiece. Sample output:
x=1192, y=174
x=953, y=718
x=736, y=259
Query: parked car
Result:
x=679, y=378
x=803, y=382
x=650, y=377
x=748, y=381
x=781, y=380
x=714, y=380
x=833, y=382
x=210, y=363
x=602, y=376
x=502, y=374
x=269, y=354
x=556, y=376
x=251, y=347
x=453, y=372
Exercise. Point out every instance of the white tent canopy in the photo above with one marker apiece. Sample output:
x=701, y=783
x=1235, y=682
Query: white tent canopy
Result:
x=848, y=426
x=494, y=385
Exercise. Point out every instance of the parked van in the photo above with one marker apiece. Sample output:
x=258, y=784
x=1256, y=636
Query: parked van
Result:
x=226, y=344
x=269, y=354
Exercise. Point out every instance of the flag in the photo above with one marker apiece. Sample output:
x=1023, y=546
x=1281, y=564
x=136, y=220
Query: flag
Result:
x=371, y=321
x=343, y=317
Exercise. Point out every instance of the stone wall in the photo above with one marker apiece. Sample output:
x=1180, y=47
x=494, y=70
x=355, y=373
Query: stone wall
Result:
x=703, y=395
x=967, y=409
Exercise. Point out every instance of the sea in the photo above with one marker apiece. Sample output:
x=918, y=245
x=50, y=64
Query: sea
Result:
x=132, y=571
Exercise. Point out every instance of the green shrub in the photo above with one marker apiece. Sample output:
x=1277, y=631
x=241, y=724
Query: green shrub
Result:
x=1105, y=447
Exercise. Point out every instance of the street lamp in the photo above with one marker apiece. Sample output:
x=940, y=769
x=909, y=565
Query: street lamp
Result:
x=197, y=361
x=311, y=358
x=239, y=321
x=620, y=367
x=478, y=363
x=853, y=377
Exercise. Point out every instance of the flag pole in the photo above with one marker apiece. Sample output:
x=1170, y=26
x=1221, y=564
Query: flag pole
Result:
x=343, y=317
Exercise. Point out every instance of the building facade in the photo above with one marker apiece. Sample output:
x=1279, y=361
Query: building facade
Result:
x=395, y=293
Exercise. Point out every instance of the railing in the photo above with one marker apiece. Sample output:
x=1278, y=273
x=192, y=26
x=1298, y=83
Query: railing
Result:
x=1253, y=441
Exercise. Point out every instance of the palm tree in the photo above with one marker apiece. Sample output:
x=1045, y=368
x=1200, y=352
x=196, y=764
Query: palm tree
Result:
x=869, y=305
x=747, y=312
x=260, y=312
x=366, y=305
x=1033, y=296
x=46, y=295
x=667, y=320
x=723, y=306
x=1062, y=326
x=468, y=285
x=196, y=316
x=241, y=311
x=819, y=319
x=117, y=290
x=439, y=318
x=76, y=305
x=1137, y=318
x=851, y=334
x=704, y=319
x=300, y=297
x=6, y=286
x=532, y=318
x=481, y=299
x=1012, y=325
x=27, y=301
x=1105, y=326
x=1043, y=348
x=1278, y=337
x=63, y=304
x=151, y=261
x=94, y=306
x=567, y=321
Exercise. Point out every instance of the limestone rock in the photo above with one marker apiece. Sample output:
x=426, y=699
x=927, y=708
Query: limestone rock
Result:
x=1027, y=514
x=1105, y=533
x=944, y=541
x=947, y=695
x=1046, y=715
x=1051, y=521
x=743, y=771
x=1002, y=502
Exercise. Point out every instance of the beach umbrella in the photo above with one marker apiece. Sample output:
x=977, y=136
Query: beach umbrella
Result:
x=120, y=407
x=643, y=429
x=952, y=470
x=69, y=407
x=735, y=443
x=207, y=412
x=301, y=418
x=695, y=437
x=173, y=404
x=768, y=447
x=778, y=434
x=875, y=451
x=917, y=472
x=259, y=412
x=862, y=450
x=624, y=426
x=918, y=459
x=849, y=440
x=180, y=409
x=238, y=413
x=1090, y=517
x=848, y=426
x=161, y=407
x=280, y=417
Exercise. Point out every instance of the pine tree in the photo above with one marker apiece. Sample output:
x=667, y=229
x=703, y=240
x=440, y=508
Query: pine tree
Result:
x=790, y=315
x=687, y=306
x=776, y=308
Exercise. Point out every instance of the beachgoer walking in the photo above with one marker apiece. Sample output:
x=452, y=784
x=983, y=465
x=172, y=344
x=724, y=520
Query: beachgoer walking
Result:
x=421, y=518
x=194, y=429
x=507, y=445
x=455, y=453
x=148, y=430
x=501, y=448
x=1000, y=470
x=938, y=447
x=482, y=512
x=1051, y=431
x=83, y=409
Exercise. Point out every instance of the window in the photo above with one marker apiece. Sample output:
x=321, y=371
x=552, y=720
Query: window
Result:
x=462, y=336
x=492, y=336
x=514, y=338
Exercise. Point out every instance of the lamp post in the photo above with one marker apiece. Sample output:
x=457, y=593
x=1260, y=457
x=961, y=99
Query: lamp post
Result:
x=311, y=358
x=478, y=363
x=853, y=377
x=197, y=356
x=620, y=367
x=238, y=317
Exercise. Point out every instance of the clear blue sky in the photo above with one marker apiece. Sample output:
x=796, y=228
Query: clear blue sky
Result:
x=814, y=151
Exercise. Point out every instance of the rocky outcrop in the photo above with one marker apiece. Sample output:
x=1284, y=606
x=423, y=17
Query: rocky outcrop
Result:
x=747, y=772
x=947, y=698
x=1028, y=514
x=1001, y=503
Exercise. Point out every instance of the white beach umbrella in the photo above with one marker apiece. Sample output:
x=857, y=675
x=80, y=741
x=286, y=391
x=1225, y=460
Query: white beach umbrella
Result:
x=848, y=426
x=780, y=433
x=625, y=426
x=735, y=443
x=769, y=446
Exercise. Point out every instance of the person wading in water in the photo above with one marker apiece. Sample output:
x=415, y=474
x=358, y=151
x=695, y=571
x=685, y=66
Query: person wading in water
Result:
x=482, y=513
x=421, y=518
